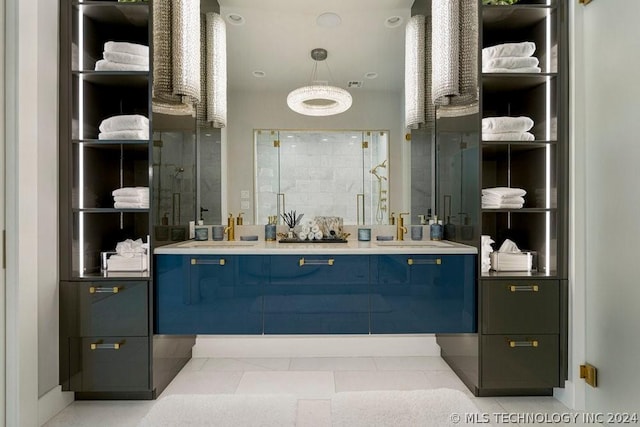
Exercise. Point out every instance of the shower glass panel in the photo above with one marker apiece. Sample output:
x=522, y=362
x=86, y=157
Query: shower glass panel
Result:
x=322, y=173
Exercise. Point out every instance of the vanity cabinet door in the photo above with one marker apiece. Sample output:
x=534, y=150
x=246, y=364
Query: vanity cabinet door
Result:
x=227, y=291
x=423, y=294
x=176, y=302
x=317, y=294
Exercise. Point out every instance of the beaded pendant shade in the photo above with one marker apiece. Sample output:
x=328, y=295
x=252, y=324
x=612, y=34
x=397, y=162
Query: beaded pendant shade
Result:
x=319, y=99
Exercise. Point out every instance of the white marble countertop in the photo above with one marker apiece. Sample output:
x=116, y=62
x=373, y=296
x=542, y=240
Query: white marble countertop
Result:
x=351, y=247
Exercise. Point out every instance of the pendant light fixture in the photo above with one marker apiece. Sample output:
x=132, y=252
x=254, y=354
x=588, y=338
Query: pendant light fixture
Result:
x=319, y=99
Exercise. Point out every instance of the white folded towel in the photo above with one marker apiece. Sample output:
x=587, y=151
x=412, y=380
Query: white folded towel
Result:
x=504, y=192
x=129, y=205
x=510, y=62
x=124, y=122
x=506, y=124
x=513, y=70
x=131, y=191
x=125, y=58
x=502, y=206
x=493, y=199
x=104, y=65
x=508, y=136
x=131, y=199
x=121, y=263
x=125, y=134
x=522, y=49
x=126, y=47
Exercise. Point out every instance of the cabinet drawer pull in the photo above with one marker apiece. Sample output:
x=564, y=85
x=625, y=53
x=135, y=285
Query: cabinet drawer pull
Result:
x=104, y=289
x=303, y=261
x=412, y=261
x=195, y=261
x=524, y=288
x=100, y=345
x=514, y=344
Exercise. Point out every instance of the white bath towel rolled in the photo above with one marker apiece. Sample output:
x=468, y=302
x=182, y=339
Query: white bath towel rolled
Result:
x=508, y=136
x=124, y=122
x=522, y=49
x=302, y=235
x=126, y=58
x=125, y=134
x=104, y=65
x=127, y=47
x=318, y=235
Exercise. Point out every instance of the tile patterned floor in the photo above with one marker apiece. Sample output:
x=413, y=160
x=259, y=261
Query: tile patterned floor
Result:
x=313, y=379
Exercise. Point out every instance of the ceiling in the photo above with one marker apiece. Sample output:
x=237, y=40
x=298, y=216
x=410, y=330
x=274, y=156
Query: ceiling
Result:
x=277, y=37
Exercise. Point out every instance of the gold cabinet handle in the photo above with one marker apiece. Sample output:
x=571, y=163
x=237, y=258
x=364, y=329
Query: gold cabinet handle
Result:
x=196, y=261
x=530, y=343
x=303, y=262
x=524, y=288
x=104, y=289
x=412, y=261
x=100, y=345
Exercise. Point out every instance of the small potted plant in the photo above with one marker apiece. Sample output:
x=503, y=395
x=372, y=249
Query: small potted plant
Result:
x=291, y=219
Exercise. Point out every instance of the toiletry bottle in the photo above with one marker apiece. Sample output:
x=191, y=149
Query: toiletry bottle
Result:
x=423, y=220
x=270, y=229
x=436, y=229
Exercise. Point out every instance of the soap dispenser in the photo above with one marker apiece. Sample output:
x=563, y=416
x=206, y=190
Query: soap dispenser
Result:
x=436, y=229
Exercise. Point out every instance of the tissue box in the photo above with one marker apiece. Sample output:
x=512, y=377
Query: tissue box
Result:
x=505, y=261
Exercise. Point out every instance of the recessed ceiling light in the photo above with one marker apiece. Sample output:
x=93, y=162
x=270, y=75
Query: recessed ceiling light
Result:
x=328, y=19
x=371, y=75
x=393, y=21
x=235, y=19
x=259, y=74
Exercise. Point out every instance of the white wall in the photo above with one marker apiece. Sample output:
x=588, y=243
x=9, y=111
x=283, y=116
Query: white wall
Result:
x=268, y=110
x=32, y=220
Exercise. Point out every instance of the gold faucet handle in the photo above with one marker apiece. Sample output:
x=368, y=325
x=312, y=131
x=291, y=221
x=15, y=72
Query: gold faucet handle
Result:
x=400, y=219
x=239, y=219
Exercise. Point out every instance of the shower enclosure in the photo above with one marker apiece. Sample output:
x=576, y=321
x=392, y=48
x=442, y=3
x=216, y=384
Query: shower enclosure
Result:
x=322, y=173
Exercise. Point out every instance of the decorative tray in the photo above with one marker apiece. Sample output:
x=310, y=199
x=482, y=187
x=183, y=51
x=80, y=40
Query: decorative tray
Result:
x=287, y=240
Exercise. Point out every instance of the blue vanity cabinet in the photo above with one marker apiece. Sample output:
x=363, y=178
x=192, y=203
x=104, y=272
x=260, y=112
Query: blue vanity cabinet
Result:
x=175, y=303
x=317, y=294
x=229, y=290
x=210, y=294
x=423, y=294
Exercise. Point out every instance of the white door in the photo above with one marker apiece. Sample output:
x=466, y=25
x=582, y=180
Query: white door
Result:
x=611, y=46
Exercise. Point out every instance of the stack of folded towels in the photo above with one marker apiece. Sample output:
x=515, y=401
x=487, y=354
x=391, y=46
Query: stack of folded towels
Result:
x=124, y=56
x=510, y=58
x=507, y=129
x=503, y=198
x=310, y=230
x=131, y=255
x=131, y=198
x=485, y=252
x=128, y=126
x=510, y=258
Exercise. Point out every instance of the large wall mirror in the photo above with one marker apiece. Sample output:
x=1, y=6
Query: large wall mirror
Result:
x=268, y=46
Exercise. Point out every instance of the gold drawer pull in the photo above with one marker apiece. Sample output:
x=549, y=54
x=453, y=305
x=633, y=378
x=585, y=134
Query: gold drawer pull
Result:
x=412, y=261
x=195, y=261
x=104, y=289
x=99, y=345
x=514, y=344
x=524, y=288
x=303, y=262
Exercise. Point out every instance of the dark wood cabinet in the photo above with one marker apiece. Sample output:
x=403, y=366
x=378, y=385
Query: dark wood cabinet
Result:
x=521, y=345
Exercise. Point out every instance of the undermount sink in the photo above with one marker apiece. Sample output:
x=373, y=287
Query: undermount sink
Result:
x=414, y=243
x=215, y=243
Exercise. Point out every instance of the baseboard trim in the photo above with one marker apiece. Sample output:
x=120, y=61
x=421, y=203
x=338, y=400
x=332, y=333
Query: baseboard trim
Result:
x=52, y=402
x=316, y=346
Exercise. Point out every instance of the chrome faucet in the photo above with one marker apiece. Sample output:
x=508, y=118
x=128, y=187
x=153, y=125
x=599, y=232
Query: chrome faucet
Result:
x=230, y=229
x=401, y=229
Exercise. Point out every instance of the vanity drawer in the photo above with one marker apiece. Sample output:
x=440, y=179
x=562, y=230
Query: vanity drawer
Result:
x=520, y=361
x=338, y=271
x=109, y=364
x=106, y=308
x=520, y=306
